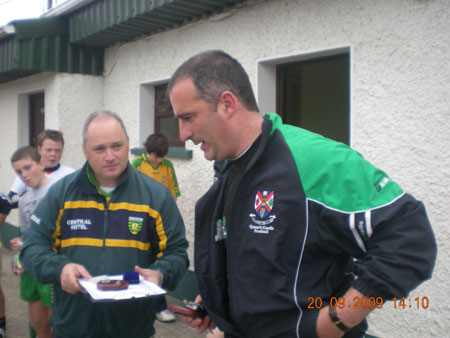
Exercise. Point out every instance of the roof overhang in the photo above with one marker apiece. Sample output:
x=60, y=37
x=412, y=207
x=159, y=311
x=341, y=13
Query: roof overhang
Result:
x=39, y=45
x=72, y=37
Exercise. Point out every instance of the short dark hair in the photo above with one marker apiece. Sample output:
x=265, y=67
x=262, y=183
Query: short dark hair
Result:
x=158, y=144
x=214, y=72
x=26, y=152
x=95, y=114
x=54, y=135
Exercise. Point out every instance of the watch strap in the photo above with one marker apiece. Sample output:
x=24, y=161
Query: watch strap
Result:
x=336, y=321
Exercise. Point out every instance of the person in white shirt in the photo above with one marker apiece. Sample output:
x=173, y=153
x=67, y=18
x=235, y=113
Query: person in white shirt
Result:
x=50, y=145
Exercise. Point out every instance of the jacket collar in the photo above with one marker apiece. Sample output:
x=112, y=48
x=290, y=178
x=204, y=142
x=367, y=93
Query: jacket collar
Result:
x=85, y=186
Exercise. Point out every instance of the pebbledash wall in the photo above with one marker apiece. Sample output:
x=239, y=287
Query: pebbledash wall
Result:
x=400, y=104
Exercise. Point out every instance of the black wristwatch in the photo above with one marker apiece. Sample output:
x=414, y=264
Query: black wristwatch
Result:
x=336, y=321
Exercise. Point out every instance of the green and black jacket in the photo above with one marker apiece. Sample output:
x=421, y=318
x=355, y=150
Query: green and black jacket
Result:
x=139, y=224
x=310, y=218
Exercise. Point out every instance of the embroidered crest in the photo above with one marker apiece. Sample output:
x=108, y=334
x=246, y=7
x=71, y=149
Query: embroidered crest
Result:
x=264, y=203
x=135, y=224
x=262, y=220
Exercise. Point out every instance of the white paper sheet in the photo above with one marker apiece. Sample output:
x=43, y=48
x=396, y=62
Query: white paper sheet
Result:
x=143, y=289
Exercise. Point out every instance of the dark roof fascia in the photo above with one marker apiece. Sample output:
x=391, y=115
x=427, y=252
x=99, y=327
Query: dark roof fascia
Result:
x=127, y=20
x=38, y=45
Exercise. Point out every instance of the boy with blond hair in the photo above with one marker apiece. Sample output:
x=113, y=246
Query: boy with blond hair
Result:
x=27, y=163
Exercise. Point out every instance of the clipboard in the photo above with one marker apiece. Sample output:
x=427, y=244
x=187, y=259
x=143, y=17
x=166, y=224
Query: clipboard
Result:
x=139, y=290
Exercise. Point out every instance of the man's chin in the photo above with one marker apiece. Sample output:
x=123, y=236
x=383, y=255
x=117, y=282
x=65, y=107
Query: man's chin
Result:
x=209, y=157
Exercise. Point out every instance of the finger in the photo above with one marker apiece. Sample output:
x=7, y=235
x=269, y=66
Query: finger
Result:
x=186, y=319
x=145, y=273
x=196, y=322
x=153, y=276
x=204, y=324
x=82, y=272
x=198, y=300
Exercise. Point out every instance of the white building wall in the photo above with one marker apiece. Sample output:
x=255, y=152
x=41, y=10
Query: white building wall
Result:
x=400, y=85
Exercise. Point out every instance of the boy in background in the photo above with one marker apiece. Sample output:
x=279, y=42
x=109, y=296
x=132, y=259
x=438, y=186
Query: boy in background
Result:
x=27, y=163
x=153, y=164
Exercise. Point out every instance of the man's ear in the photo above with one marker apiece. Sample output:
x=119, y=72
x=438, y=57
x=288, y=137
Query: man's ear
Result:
x=227, y=103
x=84, y=151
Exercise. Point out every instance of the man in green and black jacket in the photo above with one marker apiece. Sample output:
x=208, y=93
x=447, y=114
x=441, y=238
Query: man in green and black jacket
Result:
x=300, y=236
x=106, y=218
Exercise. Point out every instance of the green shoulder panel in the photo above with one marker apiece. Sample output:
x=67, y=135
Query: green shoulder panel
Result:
x=167, y=163
x=137, y=162
x=334, y=174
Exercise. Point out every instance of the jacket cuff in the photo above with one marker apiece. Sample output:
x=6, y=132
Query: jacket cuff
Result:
x=369, y=291
x=308, y=323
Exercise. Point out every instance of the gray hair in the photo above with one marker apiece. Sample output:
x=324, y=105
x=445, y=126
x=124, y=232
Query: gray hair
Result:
x=104, y=113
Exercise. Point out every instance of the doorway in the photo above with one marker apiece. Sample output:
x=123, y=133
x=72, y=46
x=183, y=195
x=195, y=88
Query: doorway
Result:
x=314, y=94
x=36, y=116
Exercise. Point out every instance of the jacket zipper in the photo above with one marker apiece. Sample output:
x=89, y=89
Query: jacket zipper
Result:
x=105, y=227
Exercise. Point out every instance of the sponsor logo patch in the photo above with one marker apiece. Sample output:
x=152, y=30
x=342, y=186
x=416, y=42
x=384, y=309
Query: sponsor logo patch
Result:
x=79, y=224
x=135, y=224
x=381, y=183
x=35, y=219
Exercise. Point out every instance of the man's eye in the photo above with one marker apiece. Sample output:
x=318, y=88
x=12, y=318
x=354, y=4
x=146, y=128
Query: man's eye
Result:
x=117, y=146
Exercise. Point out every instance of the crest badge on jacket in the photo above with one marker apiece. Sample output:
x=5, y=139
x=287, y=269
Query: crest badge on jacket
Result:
x=264, y=201
x=135, y=224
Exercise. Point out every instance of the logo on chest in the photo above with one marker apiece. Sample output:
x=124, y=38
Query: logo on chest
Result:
x=135, y=224
x=262, y=218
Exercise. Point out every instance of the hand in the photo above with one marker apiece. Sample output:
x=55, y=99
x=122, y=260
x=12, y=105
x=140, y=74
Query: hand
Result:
x=153, y=276
x=349, y=315
x=16, y=244
x=201, y=324
x=216, y=333
x=4, y=200
x=69, y=275
x=325, y=327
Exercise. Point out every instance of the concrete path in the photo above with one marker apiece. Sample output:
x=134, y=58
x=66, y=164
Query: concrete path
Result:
x=17, y=312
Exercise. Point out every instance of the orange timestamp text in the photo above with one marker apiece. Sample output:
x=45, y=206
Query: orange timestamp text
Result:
x=339, y=302
x=369, y=303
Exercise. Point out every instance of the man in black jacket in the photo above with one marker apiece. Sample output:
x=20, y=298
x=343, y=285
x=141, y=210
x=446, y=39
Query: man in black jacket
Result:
x=300, y=236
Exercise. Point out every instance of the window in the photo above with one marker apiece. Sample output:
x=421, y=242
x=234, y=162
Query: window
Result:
x=165, y=122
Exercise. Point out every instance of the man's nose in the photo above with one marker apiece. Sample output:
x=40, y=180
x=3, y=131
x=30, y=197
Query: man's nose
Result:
x=109, y=154
x=185, y=133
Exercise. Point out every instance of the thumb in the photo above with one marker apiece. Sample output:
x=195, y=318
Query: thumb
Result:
x=82, y=272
